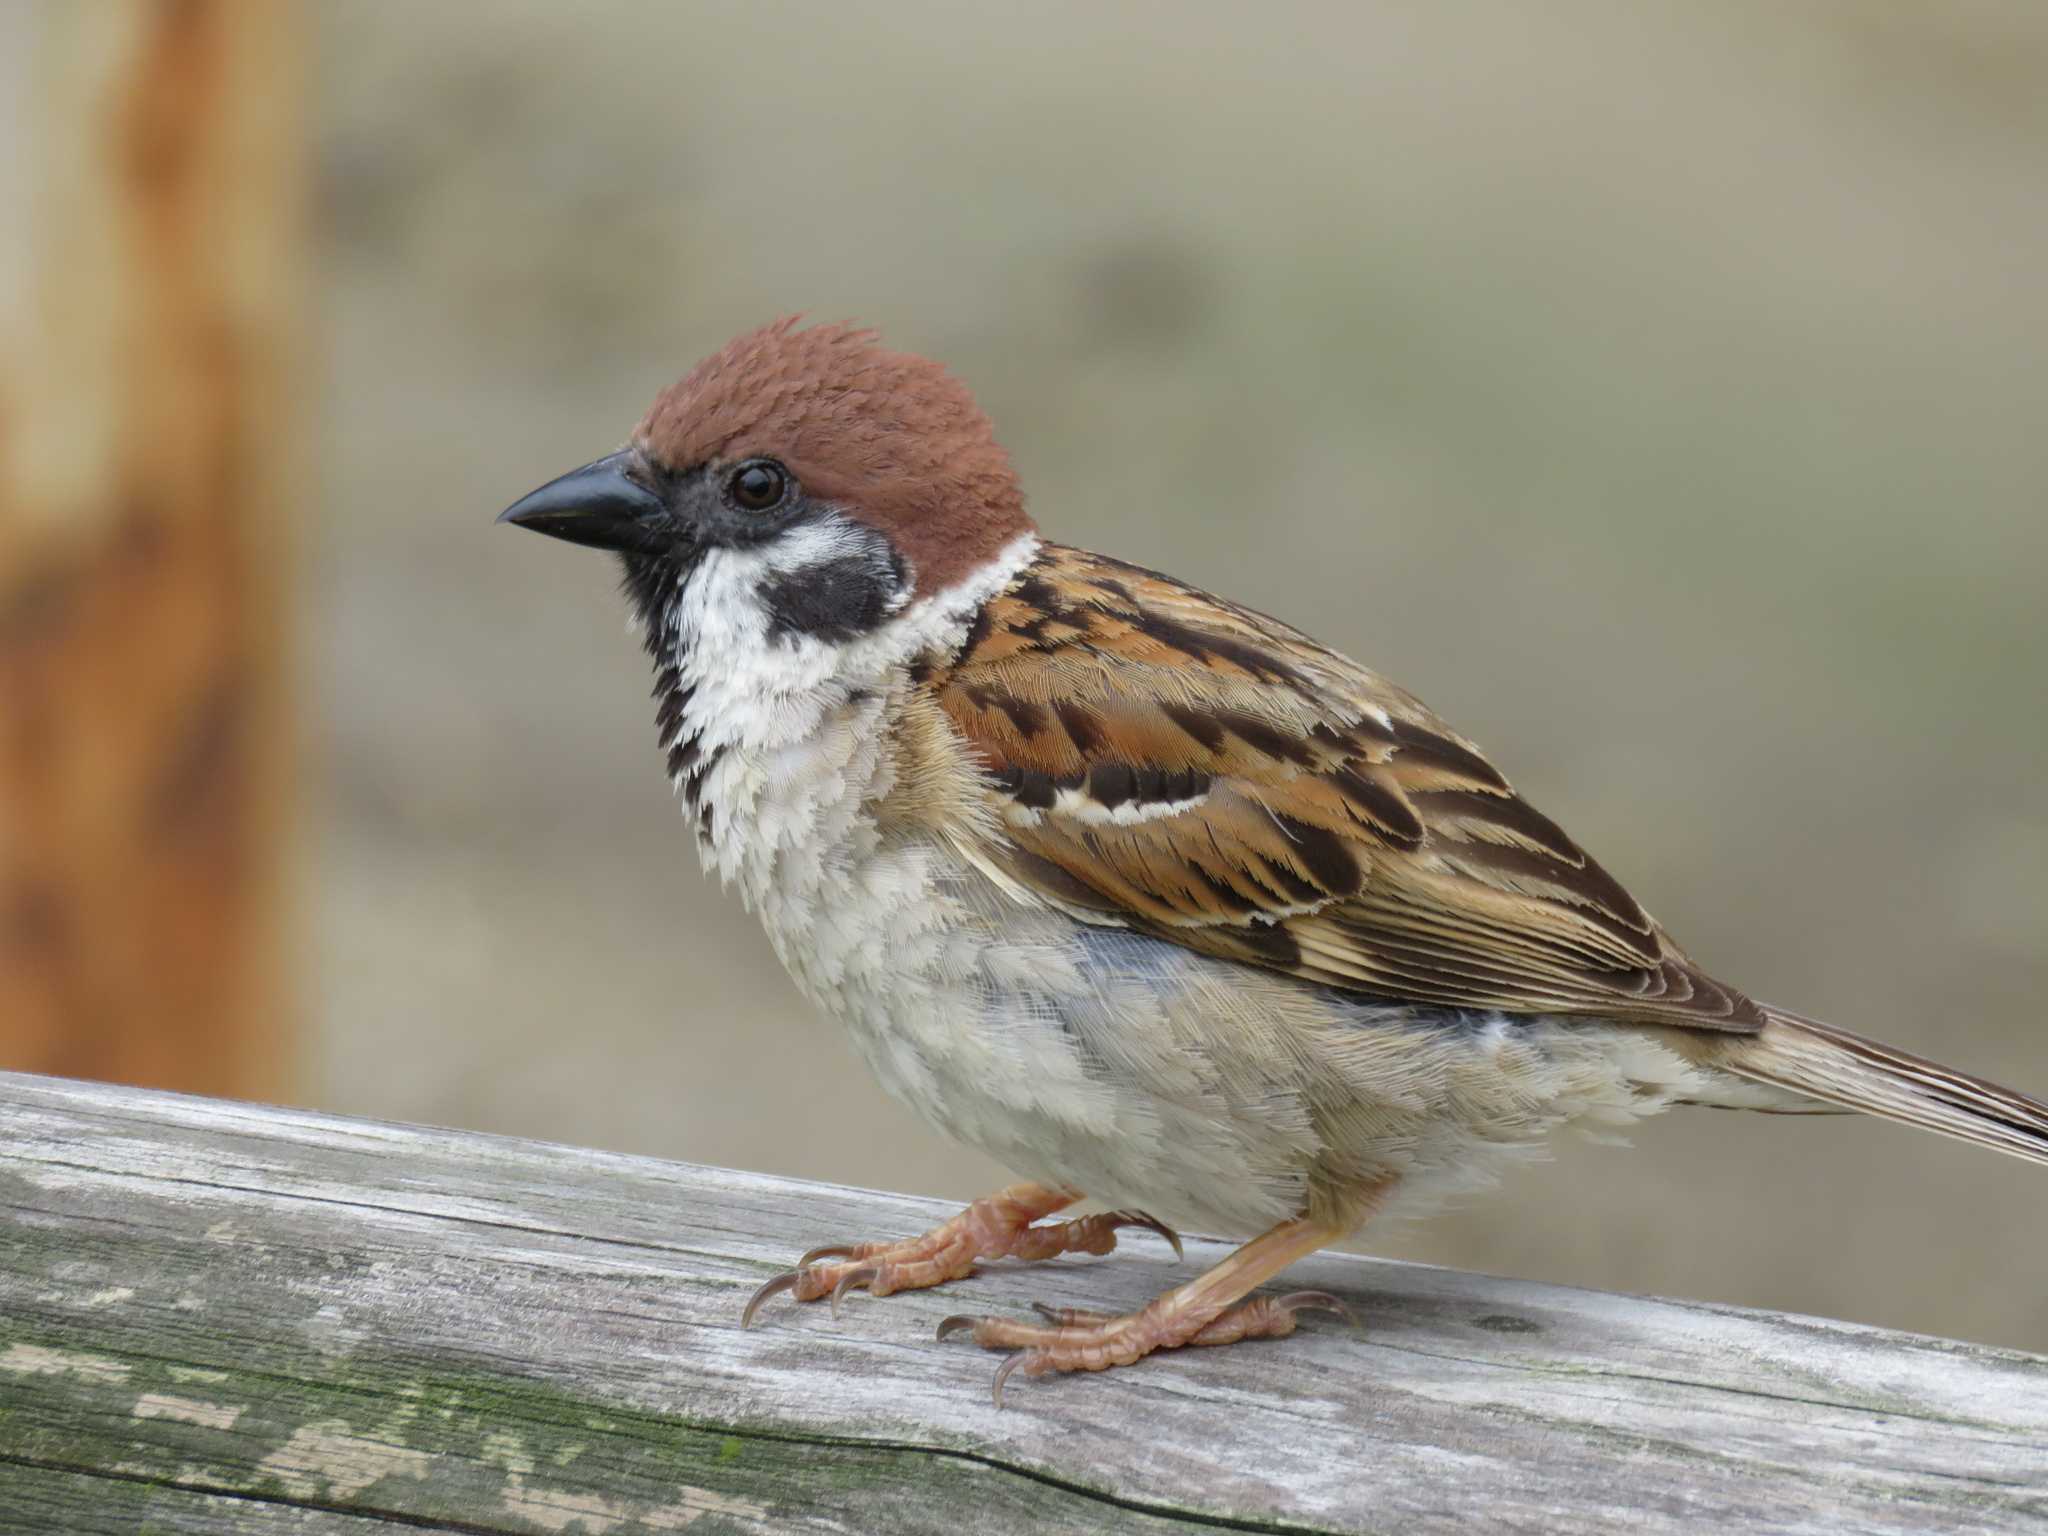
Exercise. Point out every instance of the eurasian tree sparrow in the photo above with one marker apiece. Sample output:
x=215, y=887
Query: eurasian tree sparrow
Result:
x=1145, y=894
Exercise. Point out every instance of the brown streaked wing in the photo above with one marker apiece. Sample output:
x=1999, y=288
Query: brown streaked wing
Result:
x=1196, y=770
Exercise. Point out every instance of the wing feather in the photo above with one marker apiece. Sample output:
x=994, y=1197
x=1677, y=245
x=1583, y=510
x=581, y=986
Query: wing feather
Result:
x=1186, y=767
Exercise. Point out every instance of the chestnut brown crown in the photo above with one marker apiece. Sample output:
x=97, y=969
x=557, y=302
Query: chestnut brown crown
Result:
x=894, y=440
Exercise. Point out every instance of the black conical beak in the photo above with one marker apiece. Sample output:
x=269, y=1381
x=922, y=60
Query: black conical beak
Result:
x=599, y=505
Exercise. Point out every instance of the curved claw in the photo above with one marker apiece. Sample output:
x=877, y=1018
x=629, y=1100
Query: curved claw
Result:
x=786, y=1281
x=1150, y=1224
x=1316, y=1301
x=959, y=1322
x=864, y=1275
x=1002, y=1375
x=828, y=1251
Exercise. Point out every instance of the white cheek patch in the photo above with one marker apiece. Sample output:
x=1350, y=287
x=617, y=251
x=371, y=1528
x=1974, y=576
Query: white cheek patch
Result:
x=815, y=544
x=723, y=633
x=761, y=709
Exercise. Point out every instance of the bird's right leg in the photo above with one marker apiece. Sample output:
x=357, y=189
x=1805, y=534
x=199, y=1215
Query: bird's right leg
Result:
x=998, y=1226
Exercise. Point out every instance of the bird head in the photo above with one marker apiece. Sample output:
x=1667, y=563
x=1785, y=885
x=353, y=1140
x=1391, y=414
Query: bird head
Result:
x=844, y=481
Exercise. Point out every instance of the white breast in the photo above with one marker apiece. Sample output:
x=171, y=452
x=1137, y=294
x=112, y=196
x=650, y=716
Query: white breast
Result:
x=887, y=930
x=788, y=730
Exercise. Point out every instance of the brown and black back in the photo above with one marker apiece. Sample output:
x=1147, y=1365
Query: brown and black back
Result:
x=1175, y=764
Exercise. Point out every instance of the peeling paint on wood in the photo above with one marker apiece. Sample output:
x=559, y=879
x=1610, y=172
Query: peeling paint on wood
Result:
x=335, y=1326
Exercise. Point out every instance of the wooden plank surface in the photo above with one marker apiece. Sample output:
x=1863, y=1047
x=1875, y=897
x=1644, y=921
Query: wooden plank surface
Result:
x=219, y=1317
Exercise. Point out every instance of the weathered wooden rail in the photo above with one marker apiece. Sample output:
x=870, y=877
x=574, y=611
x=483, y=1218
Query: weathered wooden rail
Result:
x=219, y=1318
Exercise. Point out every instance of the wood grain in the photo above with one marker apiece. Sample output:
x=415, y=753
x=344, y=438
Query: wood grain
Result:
x=227, y=1318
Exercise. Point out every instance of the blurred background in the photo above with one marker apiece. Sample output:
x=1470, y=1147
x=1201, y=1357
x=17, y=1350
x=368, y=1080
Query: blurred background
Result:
x=1658, y=390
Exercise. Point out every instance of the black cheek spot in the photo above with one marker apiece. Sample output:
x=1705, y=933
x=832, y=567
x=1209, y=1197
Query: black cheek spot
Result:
x=835, y=601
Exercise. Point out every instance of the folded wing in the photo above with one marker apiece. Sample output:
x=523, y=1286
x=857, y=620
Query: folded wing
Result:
x=1182, y=766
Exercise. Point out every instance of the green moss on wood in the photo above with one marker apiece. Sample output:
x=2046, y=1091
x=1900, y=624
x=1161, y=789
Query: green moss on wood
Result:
x=383, y=1434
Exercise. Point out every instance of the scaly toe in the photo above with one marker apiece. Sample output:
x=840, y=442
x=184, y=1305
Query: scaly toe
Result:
x=1055, y=1356
x=999, y=1332
x=810, y=1281
x=1268, y=1317
x=1066, y=1317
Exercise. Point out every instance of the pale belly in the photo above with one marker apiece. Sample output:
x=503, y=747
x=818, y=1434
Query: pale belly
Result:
x=1209, y=1094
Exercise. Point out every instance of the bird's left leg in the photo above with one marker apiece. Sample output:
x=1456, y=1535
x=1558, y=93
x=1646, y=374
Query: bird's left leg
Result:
x=1210, y=1309
x=996, y=1226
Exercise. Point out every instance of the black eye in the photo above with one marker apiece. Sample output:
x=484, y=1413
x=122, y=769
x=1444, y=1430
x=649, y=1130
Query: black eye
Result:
x=758, y=486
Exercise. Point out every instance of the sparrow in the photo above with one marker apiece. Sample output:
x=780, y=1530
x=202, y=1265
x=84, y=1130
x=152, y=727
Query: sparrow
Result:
x=1153, y=898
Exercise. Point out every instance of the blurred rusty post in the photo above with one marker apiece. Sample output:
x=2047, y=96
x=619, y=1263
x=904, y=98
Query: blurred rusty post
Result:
x=149, y=461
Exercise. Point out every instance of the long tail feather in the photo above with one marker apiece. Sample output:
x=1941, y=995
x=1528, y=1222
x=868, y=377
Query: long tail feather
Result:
x=1843, y=1068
